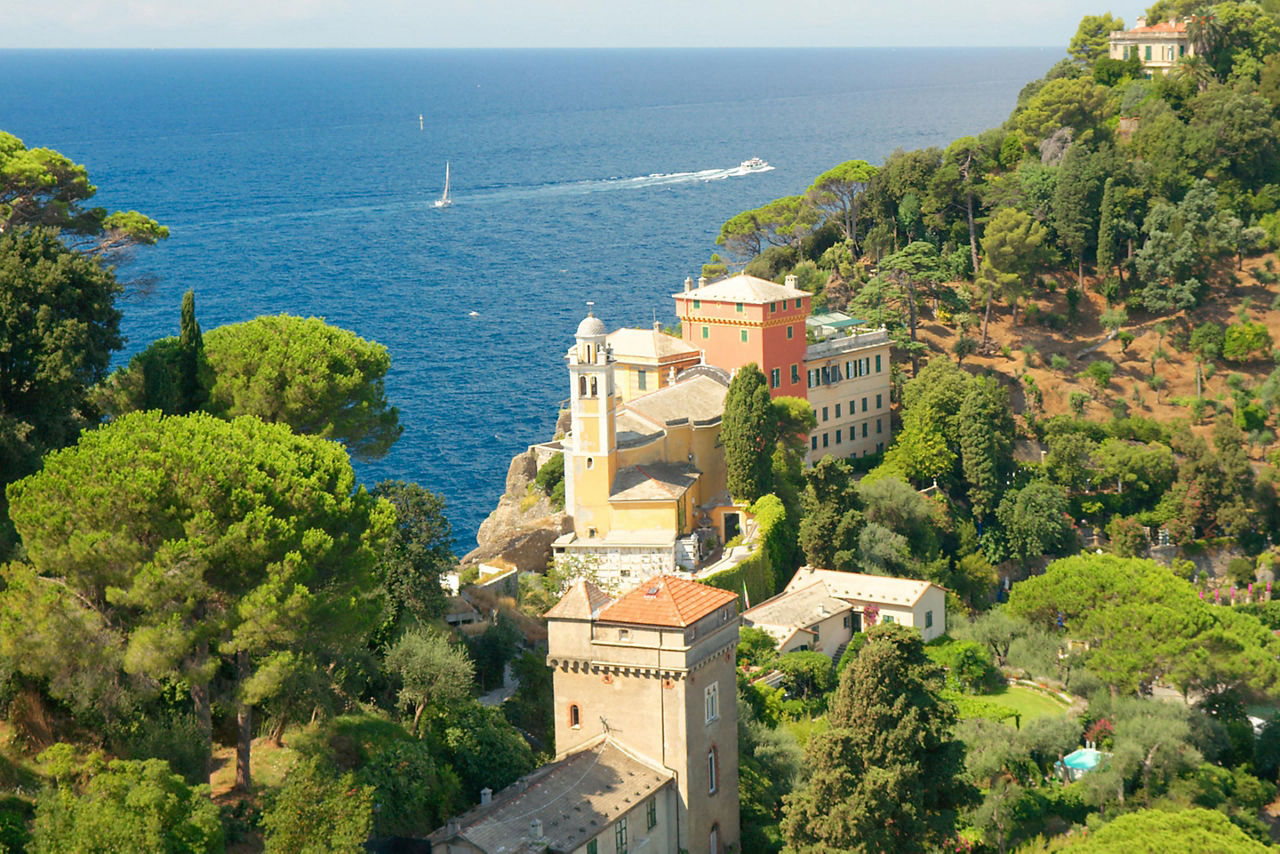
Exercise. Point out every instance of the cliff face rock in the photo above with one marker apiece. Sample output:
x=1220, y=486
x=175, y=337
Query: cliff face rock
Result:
x=523, y=526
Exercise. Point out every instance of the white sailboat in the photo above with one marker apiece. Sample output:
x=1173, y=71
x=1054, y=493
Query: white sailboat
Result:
x=444, y=201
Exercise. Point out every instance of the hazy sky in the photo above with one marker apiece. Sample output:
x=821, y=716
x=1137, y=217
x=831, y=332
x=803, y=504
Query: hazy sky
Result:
x=540, y=23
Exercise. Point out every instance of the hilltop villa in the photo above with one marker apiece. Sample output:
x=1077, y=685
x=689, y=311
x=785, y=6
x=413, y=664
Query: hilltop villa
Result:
x=1159, y=46
x=821, y=609
x=646, y=732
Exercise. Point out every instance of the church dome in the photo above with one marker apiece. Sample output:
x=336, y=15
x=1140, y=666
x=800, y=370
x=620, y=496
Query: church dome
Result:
x=590, y=327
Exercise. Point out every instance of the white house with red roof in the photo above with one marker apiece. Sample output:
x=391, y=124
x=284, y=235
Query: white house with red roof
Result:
x=1159, y=46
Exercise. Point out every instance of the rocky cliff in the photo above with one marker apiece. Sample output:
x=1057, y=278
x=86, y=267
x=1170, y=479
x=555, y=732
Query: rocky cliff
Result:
x=523, y=526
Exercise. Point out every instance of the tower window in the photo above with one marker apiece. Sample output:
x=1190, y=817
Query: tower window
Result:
x=797, y=302
x=795, y=374
x=743, y=335
x=738, y=307
x=790, y=332
x=582, y=386
x=711, y=698
x=706, y=332
x=595, y=390
x=697, y=303
x=652, y=814
x=713, y=768
x=642, y=380
x=591, y=462
x=575, y=716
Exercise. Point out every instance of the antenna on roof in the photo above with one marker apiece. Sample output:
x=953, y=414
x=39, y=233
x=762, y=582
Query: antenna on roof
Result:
x=590, y=305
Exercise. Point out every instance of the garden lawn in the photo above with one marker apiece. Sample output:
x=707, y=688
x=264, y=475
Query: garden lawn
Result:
x=1028, y=702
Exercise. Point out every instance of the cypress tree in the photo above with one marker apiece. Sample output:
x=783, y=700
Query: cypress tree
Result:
x=192, y=395
x=1107, y=229
x=986, y=444
x=887, y=775
x=749, y=432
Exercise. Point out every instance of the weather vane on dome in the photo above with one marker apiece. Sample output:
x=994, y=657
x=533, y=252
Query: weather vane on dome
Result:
x=590, y=305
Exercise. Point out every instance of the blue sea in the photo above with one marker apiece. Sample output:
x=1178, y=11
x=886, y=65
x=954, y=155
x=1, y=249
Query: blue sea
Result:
x=302, y=182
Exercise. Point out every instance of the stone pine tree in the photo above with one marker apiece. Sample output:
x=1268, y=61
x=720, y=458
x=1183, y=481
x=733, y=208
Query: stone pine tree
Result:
x=749, y=433
x=887, y=775
x=174, y=550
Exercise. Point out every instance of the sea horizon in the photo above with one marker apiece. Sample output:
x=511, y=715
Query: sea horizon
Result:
x=300, y=180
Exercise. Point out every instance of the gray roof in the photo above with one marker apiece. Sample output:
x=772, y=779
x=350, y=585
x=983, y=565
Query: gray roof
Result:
x=856, y=587
x=796, y=608
x=653, y=481
x=698, y=399
x=575, y=798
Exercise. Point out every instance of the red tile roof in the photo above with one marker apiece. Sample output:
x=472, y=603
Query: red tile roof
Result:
x=665, y=600
x=1162, y=27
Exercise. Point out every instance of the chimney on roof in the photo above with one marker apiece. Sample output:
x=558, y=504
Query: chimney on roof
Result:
x=535, y=830
x=1142, y=22
x=702, y=281
x=688, y=283
x=791, y=280
x=452, y=828
x=657, y=326
x=486, y=795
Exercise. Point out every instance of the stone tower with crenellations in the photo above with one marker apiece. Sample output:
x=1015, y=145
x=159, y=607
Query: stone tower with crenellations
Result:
x=655, y=672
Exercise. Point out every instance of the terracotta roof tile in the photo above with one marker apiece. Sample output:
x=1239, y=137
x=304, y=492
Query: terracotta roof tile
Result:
x=1162, y=27
x=744, y=288
x=667, y=601
x=583, y=601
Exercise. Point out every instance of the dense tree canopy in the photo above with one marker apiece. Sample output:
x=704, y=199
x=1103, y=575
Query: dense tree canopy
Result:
x=161, y=547
x=40, y=187
x=318, y=379
x=887, y=775
x=58, y=328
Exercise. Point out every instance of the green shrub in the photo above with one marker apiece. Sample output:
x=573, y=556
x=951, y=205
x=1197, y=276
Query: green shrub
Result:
x=1077, y=401
x=1100, y=372
x=318, y=809
x=1244, y=342
x=967, y=664
x=550, y=479
x=1059, y=362
x=1240, y=570
x=125, y=806
x=1128, y=537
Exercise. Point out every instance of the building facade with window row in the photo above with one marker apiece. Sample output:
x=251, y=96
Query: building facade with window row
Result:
x=847, y=382
x=1158, y=46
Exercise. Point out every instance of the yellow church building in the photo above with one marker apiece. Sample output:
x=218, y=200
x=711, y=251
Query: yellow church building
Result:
x=645, y=476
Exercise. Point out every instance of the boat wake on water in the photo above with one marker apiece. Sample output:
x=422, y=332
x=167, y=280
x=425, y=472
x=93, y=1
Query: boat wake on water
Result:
x=510, y=193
